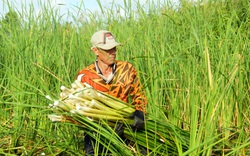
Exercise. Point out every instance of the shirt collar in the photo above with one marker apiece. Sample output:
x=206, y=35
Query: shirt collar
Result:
x=111, y=76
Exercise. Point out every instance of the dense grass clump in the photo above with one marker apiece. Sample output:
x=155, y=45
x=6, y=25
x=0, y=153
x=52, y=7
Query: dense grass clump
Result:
x=193, y=60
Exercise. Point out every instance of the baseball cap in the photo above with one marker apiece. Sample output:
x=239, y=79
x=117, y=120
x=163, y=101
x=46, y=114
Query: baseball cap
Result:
x=103, y=39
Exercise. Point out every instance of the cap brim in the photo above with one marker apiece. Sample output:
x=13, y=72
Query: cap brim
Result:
x=108, y=46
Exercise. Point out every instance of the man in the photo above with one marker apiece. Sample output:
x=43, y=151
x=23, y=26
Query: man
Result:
x=117, y=78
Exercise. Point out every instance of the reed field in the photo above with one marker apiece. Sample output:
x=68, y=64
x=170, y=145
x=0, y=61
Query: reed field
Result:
x=193, y=60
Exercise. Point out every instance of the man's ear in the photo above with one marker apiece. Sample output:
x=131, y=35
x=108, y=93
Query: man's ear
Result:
x=95, y=50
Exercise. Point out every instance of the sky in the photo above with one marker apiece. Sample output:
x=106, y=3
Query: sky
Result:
x=64, y=6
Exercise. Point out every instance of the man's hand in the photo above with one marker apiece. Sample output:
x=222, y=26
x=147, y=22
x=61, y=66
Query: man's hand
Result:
x=139, y=121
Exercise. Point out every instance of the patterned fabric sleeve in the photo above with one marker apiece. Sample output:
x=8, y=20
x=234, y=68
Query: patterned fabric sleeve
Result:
x=137, y=93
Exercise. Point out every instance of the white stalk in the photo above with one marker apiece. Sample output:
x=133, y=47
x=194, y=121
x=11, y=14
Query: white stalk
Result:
x=65, y=89
x=55, y=118
x=48, y=97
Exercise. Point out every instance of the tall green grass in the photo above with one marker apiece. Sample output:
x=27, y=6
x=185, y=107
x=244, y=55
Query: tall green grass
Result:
x=193, y=60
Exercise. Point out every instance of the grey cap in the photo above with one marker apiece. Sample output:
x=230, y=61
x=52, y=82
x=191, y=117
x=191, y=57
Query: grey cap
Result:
x=104, y=39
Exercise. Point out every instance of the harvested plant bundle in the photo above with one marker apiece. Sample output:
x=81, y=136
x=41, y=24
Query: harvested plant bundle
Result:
x=100, y=113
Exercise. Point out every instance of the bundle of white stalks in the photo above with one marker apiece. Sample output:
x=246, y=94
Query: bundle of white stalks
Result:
x=83, y=100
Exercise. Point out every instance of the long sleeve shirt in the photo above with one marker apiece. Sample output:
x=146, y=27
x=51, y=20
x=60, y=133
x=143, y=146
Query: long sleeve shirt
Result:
x=123, y=83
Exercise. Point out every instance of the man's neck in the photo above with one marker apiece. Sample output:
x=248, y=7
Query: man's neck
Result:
x=105, y=69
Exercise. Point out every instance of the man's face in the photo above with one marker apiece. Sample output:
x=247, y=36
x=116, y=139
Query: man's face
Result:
x=107, y=56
